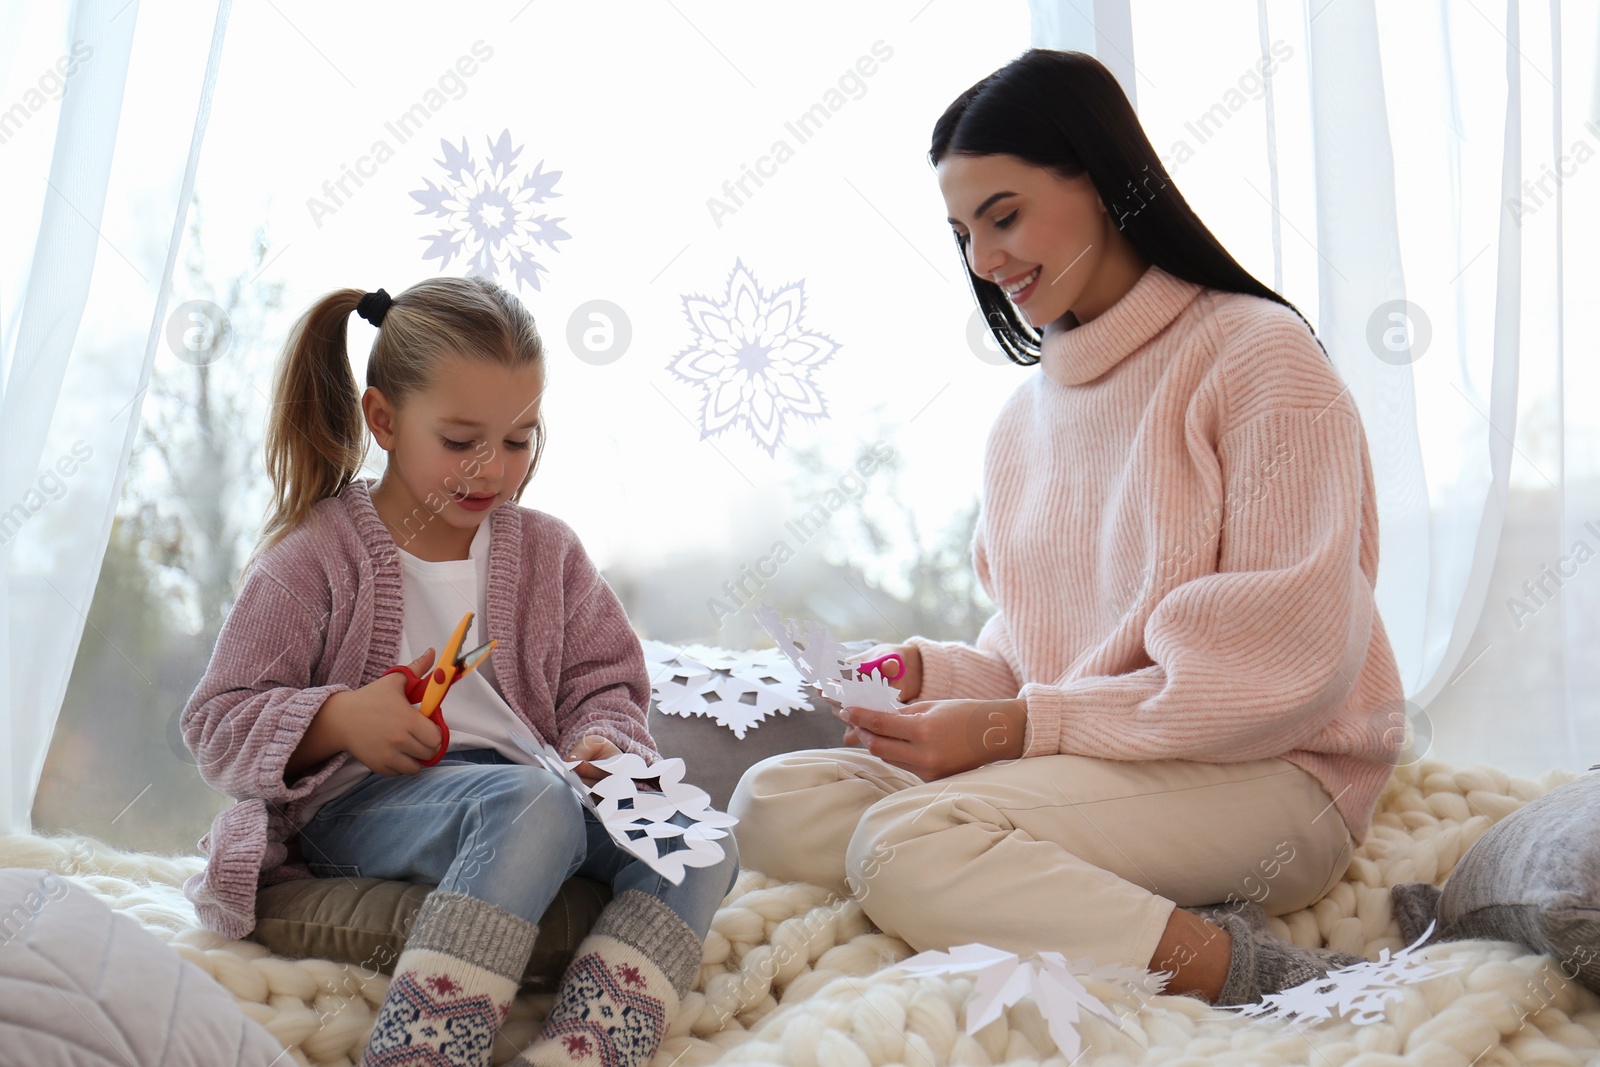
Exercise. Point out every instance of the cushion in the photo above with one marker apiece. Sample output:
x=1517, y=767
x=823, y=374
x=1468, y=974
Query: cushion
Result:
x=1532, y=878
x=714, y=758
x=364, y=921
x=82, y=984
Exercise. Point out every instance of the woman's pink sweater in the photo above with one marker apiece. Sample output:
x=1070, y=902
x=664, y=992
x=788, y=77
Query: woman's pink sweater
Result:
x=321, y=612
x=1180, y=532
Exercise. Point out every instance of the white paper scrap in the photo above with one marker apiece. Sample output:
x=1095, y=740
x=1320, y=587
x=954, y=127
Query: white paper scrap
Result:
x=1360, y=993
x=873, y=692
x=808, y=645
x=1004, y=978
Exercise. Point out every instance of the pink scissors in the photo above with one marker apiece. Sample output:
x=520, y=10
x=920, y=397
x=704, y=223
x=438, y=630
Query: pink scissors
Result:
x=878, y=665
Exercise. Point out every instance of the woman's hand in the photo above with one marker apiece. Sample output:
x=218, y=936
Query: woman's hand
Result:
x=593, y=747
x=376, y=724
x=938, y=738
x=909, y=684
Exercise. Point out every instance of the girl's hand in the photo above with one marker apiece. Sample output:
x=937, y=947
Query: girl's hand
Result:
x=593, y=747
x=938, y=738
x=908, y=684
x=379, y=727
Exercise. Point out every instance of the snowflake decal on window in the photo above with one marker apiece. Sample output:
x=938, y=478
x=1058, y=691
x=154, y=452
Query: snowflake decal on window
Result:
x=753, y=359
x=493, y=219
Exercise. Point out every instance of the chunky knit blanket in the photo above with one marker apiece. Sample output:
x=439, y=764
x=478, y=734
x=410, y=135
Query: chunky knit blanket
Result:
x=792, y=976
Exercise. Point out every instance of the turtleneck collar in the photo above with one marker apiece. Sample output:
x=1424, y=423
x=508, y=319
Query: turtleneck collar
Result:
x=1083, y=353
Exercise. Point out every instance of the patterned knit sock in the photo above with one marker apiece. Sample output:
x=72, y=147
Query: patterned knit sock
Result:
x=1262, y=962
x=452, y=985
x=622, y=989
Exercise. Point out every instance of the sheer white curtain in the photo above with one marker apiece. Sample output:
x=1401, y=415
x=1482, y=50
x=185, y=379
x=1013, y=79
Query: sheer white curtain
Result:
x=1416, y=178
x=1438, y=155
x=725, y=157
x=102, y=110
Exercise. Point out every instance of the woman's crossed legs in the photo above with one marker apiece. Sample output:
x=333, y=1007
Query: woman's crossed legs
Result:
x=1083, y=856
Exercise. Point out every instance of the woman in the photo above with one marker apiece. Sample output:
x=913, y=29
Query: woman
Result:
x=1186, y=698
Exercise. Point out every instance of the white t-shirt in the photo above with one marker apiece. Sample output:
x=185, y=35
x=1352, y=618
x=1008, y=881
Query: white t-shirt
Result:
x=436, y=594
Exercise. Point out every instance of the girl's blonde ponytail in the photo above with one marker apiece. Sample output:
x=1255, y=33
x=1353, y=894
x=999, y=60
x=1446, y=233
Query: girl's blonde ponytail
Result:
x=316, y=439
x=316, y=436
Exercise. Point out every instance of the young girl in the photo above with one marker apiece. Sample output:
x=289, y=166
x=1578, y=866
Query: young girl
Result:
x=297, y=719
x=1186, y=700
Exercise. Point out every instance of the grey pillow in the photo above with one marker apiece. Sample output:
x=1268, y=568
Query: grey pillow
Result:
x=1532, y=878
x=714, y=757
x=365, y=921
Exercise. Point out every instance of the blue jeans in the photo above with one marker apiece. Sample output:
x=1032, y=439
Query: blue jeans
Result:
x=502, y=832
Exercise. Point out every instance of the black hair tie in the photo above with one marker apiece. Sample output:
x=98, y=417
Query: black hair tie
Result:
x=374, y=306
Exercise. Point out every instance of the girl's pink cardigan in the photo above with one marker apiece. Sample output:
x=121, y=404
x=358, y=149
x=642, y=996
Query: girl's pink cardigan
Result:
x=321, y=612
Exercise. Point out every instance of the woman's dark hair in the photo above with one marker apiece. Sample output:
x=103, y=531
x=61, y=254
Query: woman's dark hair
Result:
x=1065, y=111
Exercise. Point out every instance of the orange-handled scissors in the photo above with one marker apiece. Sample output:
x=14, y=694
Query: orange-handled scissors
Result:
x=429, y=690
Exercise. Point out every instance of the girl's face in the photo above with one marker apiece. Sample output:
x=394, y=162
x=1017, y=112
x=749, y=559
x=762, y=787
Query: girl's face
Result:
x=457, y=449
x=1044, y=239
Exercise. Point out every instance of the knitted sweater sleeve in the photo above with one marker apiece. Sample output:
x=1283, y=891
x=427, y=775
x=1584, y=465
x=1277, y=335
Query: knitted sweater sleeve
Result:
x=984, y=671
x=1255, y=659
x=256, y=698
x=604, y=687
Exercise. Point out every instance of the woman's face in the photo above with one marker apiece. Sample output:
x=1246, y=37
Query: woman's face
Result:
x=1042, y=238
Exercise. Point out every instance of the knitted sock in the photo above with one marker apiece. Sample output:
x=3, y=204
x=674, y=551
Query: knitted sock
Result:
x=1262, y=962
x=622, y=989
x=1414, y=905
x=452, y=985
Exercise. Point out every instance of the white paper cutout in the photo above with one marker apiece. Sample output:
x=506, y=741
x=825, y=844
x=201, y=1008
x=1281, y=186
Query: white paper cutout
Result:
x=1003, y=978
x=826, y=663
x=870, y=692
x=815, y=653
x=623, y=808
x=643, y=811
x=684, y=678
x=730, y=709
x=1361, y=991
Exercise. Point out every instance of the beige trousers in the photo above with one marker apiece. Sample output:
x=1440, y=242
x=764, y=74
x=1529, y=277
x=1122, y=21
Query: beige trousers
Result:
x=1082, y=856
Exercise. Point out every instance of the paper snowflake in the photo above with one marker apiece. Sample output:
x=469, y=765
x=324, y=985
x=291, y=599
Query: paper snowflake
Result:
x=808, y=645
x=1360, y=992
x=753, y=359
x=739, y=691
x=825, y=663
x=638, y=820
x=1004, y=978
x=491, y=218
